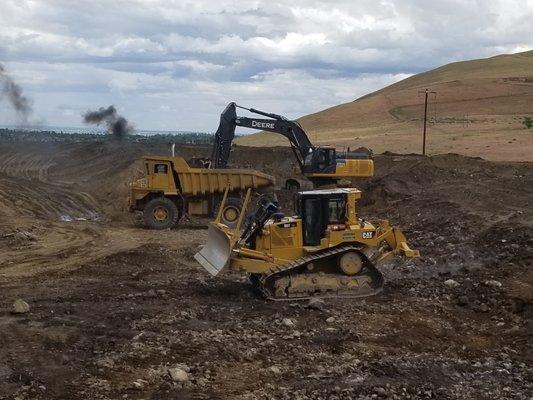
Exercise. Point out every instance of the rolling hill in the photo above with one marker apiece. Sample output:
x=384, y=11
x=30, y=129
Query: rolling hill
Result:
x=478, y=110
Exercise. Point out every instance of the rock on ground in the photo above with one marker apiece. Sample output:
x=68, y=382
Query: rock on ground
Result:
x=451, y=283
x=20, y=307
x=178, y=374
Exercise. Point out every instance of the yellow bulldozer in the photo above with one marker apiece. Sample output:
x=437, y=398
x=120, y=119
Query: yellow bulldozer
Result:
x=326, y=250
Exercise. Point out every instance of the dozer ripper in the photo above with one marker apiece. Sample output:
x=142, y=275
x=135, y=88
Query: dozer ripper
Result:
x=326, y=250
x=321, y=165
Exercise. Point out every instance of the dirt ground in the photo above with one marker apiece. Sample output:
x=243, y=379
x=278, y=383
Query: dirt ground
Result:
x=115, y=308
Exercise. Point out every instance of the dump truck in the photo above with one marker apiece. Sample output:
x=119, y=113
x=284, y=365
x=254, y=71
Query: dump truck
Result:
x=171, y=189
x=326, y=250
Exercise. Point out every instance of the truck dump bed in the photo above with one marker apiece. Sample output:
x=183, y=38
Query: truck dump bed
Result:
x=203, y=181
x=199, y=181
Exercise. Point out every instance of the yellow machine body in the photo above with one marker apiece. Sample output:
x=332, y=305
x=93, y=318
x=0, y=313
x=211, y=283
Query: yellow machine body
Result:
x=345, y=169
x=193, y=191
x=282, y=247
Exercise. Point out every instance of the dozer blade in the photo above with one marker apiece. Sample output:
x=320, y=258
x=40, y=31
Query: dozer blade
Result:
x=216, y=254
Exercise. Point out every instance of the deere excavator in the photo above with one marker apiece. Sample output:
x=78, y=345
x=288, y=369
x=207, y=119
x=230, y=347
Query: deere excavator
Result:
x=321, y=165
x=326, y=250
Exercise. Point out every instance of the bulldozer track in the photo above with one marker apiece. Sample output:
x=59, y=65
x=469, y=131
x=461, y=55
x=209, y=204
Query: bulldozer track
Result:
x=372, y=272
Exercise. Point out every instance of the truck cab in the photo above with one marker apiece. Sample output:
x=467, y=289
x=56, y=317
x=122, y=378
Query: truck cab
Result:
x=159, y=174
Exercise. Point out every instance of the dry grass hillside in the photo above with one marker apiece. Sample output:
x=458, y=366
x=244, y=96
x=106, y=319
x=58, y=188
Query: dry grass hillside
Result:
x=478, y=111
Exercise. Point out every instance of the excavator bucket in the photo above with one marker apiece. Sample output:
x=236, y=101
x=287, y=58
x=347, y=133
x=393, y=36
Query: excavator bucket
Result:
x=216, y=254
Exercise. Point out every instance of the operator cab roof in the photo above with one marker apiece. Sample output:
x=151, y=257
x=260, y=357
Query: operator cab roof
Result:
x=328, y=192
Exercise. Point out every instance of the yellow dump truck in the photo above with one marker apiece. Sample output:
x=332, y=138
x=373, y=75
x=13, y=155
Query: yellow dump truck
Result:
x=171, y=189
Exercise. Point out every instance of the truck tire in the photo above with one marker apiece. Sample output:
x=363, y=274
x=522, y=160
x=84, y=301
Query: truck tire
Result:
x=230, y=212
x=160, y=213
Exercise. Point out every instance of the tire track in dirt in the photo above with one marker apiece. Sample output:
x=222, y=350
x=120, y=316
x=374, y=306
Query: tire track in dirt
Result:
x=32, y=200
x=67, y=246
x=64, y=246
x=26, y=181
x=40, y=199
x=28, y=166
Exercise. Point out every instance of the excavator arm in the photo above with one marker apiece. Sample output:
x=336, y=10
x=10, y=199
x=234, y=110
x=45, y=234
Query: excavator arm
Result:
x=224, y=137
x=319, y=164
x=229, y=120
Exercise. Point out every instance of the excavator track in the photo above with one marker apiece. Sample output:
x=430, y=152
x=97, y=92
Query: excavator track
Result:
x=294, y=280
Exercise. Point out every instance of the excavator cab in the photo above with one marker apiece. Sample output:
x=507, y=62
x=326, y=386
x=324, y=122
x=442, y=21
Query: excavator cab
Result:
x=321, y=160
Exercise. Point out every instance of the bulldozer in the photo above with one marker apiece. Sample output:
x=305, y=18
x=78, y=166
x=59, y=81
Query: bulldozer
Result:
x=326, y=250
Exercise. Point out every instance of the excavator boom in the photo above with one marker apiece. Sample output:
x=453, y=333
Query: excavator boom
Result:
x=321, y=165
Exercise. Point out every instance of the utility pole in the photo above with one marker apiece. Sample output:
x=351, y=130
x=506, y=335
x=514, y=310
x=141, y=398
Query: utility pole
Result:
x=427, y=93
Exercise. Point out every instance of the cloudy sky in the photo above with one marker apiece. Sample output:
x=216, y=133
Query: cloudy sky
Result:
x=173, y=65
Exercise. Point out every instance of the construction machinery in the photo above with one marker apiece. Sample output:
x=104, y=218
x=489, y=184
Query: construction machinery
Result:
x=326, y=250
x=321, y=165
x=171, y=189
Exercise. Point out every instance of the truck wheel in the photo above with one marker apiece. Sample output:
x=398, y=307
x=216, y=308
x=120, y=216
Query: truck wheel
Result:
x=160, y=213
x=230, y=212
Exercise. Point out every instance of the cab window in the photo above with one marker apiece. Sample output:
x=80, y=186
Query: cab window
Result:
x=336, y=211
x=322, y=162
x=313, y=221
x=160, y=168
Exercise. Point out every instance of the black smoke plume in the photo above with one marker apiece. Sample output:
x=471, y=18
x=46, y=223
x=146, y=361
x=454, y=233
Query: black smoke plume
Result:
x=116, y=124
x=13, y=93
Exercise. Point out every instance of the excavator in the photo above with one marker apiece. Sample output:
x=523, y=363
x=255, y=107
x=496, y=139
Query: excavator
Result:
x=326, y=250
x=321, y=165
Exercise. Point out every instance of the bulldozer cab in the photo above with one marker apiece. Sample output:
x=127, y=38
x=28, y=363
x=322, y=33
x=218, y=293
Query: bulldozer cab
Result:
x=319, y=209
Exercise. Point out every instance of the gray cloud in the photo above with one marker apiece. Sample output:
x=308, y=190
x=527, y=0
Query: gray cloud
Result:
x=184, y=59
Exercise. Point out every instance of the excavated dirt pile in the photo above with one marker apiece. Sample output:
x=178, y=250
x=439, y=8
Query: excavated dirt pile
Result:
x=117, y=311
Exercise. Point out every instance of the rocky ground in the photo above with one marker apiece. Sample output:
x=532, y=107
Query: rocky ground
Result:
x=114, y=311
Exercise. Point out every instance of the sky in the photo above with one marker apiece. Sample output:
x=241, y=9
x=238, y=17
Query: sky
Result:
x=174, y=65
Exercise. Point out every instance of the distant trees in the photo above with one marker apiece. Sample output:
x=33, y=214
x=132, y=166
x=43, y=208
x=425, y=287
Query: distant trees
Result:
x=528, y=122
x=53, y=136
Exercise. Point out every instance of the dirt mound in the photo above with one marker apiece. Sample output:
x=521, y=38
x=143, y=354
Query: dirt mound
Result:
x=462, y=212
